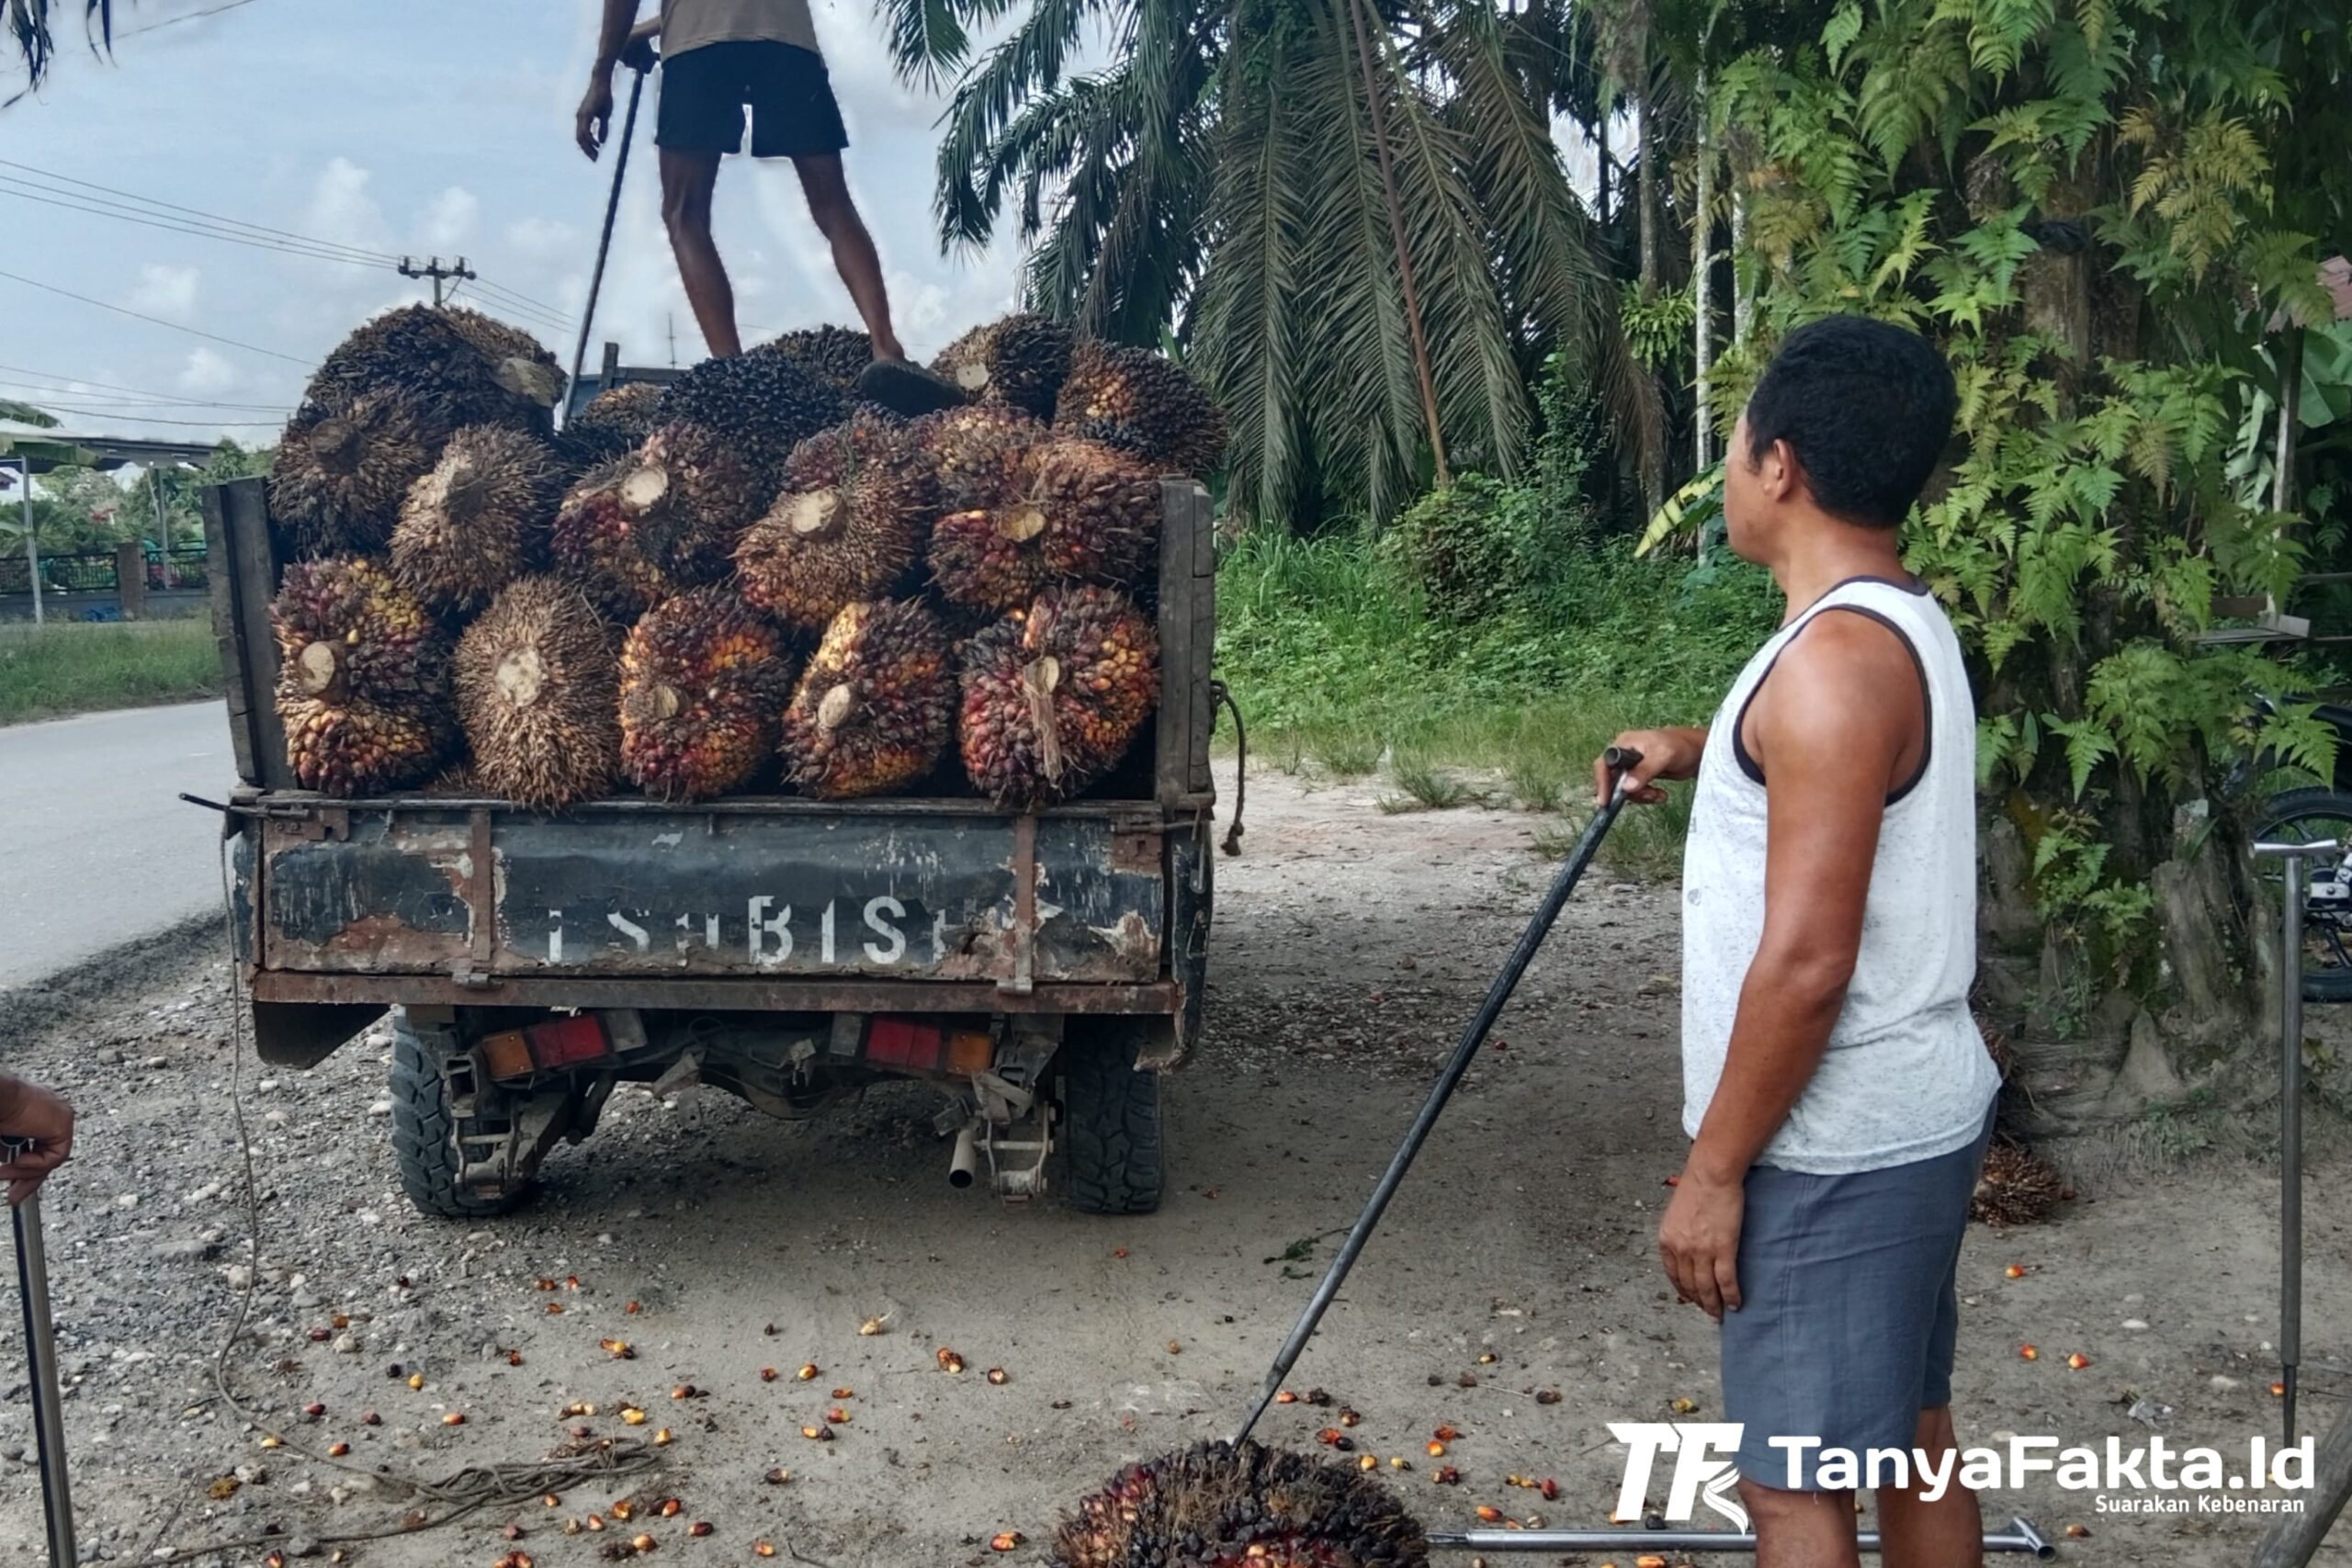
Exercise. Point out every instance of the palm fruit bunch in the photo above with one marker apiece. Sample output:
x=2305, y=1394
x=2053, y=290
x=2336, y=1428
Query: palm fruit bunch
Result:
x=479, y=519
x=595, y=542
x=877, y=707
x=848, y=525
x=701, y=679
x=1087, y=512
x=342, y=473
x=835, y=355
x=1215, y=1506
x=537, y=695
x=977, y=453
x=2015, y=1186
x=1143, y=404
x=1018, y=362
x=363, y=681
x=1054, y=695
x=765, y=403
x=456, y=366
x=689, y=493
x=615, y=423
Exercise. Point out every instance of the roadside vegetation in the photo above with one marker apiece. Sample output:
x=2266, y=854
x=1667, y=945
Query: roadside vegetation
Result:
x=73, y=667
x=1483, y=648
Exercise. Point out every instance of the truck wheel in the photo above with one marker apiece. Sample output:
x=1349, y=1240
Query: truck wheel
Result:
x=438, y=1099
x=1114, y=1143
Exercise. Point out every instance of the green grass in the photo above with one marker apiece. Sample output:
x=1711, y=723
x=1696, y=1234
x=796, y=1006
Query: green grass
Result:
x=74, y=667
x=1334, y=665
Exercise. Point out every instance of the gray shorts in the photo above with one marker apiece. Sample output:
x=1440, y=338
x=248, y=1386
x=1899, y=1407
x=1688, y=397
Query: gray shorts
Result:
x=1850, y=1310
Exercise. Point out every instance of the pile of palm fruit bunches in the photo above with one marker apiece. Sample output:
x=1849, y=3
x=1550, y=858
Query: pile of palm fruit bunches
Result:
x=743, y=580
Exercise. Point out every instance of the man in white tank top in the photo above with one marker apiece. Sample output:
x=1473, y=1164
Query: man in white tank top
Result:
x=1836, y=1091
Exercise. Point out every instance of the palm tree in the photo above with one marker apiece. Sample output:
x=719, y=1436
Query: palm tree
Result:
x=29, y=23
x=1350, y=213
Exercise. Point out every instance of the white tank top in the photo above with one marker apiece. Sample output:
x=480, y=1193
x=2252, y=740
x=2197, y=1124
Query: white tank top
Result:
x=1906, y=1075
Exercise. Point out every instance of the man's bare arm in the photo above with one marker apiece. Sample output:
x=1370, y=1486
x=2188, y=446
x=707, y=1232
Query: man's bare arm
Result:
x=1834, y=728
x=621, y=19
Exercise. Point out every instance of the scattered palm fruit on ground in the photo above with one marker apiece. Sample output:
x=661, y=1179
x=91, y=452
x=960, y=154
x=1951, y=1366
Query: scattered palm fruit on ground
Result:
x=596, y=541
x=1144, y=403
x=765, y=402
x=977, y=453
x=689, y=493
x=1214, y=1505
x=875, y=709
x=835, y=355
x=702, y=677
x=363, y=682
x=1018, y=362
x=537, y=695
x=2017, y=1187
x=848, y=525
x=478, y=519
x=1053, y=697
x=615, y=424
x=342, y=474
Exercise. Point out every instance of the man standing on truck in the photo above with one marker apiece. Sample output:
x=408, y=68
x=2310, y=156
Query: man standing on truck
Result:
x=719, y=58
x=1836, y=1090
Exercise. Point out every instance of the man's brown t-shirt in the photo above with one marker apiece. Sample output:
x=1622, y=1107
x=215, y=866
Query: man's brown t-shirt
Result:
x=691, y=24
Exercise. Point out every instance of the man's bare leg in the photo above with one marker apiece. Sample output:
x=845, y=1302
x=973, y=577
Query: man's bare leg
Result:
x=687, y=181
x=825, y=185
x=1801, y=1530
x=1946, y=1533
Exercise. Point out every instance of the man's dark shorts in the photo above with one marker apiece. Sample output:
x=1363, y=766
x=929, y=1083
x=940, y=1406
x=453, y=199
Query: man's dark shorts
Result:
x=1849, y=1311
x=705, y=91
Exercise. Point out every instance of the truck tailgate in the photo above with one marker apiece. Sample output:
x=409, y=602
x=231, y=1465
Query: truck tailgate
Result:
x=906, y=890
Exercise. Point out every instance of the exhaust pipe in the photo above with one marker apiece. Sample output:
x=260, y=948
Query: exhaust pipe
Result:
x=964, y=1167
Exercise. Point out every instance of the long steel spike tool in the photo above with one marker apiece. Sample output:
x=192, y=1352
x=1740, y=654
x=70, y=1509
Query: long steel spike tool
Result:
x=2020, y=1538
x=40, y=1349
x=1621, y=761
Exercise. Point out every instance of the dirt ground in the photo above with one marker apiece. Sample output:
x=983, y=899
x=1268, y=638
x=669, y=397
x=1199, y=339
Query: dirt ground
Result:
x=1351, y=947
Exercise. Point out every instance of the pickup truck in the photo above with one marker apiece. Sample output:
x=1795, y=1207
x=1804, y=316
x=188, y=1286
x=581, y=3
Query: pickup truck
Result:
x=1043, y=970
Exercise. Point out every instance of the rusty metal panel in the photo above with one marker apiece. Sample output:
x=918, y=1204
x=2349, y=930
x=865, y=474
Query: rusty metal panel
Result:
x=441, y=994
x=687, y=892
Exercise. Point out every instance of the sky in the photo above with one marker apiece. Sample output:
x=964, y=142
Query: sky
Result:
x=419, y=128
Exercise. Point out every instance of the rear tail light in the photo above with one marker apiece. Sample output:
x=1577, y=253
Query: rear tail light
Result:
x=917, y=1044
x=550, y=1046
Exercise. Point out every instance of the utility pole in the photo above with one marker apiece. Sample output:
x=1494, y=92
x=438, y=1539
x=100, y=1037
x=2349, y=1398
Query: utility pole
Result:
x=674, y=339
x=162, y=523
x=438, y=273
x=32, y=550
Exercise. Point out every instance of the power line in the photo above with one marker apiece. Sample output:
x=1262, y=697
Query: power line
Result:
x=33, y=393
x=174, y=226
x=145, y=419
x=212, y=218
x=73, y=384
x=522, y=301
x=175, y=21
x=158, y=320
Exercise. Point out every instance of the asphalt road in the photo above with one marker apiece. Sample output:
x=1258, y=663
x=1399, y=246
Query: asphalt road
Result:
x=96, y=851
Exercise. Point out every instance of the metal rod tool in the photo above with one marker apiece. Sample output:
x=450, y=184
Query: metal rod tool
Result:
x=605, y=245
x=2291, y=1110
x=1620, y=759
x=40, y=1349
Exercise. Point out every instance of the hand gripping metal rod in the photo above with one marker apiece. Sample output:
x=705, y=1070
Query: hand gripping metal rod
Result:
x=1618, y=761
x=2020, y=1537
x=40, y=1349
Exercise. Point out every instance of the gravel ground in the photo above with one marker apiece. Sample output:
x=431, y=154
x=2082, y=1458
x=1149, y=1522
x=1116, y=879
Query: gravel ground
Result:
x=1350, y=946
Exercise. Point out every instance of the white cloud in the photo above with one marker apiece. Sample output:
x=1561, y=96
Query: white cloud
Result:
x=342, y=210
x=449, y=219
x=165, y=291
x=207, y=373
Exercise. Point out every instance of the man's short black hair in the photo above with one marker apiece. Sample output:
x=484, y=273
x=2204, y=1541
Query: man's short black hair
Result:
x=1868, y=407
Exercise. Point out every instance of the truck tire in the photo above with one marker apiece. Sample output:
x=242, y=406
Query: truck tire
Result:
x=426, y=1123
x=1114, y=1139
